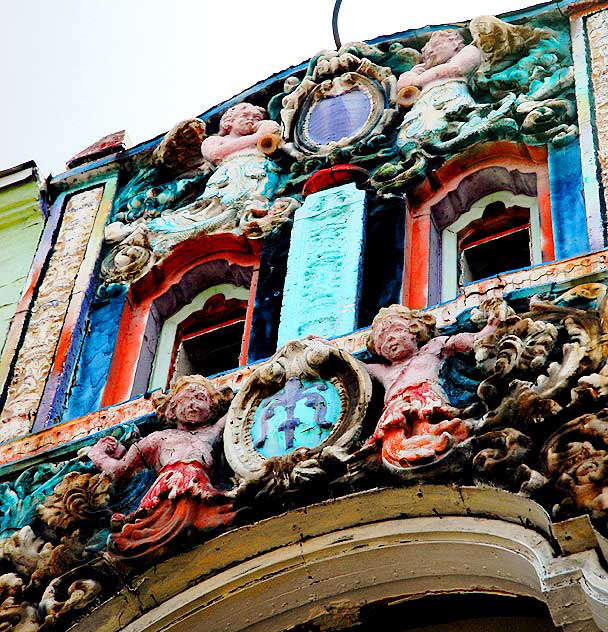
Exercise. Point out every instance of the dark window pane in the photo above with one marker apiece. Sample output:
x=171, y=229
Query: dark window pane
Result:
x=509, y=252
x=211, y=352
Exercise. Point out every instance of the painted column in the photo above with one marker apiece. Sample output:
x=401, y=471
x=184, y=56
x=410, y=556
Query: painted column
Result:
x=96, y=354
x=73, y=330
x=58, y=304
x=323, y=280
x=596, y=27
x=567, y=201
x=584, y=102
x=416, y=271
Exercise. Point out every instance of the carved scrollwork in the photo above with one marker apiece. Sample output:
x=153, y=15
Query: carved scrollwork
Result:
x=79, y=498
x=296, y=414
x=343, y=75
x=16, y=614
x=575, y=458
x=59, y=600
x=131, y=258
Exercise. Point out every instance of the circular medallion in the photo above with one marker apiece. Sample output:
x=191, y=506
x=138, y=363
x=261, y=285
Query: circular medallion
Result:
x=307, y=396
x=339, y=112
x=300, y=415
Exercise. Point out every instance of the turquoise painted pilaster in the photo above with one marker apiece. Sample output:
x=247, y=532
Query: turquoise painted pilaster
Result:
x=323, y=280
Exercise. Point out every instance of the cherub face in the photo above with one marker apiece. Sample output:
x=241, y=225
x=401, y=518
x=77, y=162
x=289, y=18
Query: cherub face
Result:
x=191, y=407
x=441, y=48
x=245, y=120
x=394, y=339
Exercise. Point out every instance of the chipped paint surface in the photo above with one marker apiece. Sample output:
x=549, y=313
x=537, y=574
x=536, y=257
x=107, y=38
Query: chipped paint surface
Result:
x=597, y=35
x=354, y=342
x=36, y=355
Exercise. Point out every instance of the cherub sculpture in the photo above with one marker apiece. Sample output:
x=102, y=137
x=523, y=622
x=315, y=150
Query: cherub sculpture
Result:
x=182, y=498
x=239, y=194
x=437, y=87
x=519, y=65
x=418, y=423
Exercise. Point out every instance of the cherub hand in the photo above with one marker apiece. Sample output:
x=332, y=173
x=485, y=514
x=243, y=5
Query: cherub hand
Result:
x=410, y=78
x=268, y=127
x=108, y=446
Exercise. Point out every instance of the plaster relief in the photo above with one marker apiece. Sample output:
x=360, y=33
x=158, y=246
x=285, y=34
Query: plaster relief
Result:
x=238, y=197
x=182, y=498
x=294, y=415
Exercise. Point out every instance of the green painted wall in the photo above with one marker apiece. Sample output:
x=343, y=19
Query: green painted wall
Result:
x=21, y=223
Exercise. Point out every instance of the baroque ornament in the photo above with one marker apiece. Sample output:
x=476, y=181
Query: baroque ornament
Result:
x=510, y=398
x=522, y=88
x=78, y=498
x=295, y=416
x=239, y=196
x=182, y=498
x=418, y=423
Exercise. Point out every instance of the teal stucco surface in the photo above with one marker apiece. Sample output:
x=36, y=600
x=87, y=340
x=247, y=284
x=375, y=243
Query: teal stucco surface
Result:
x=323, y=280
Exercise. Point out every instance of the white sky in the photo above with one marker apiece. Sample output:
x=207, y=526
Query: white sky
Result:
x=75, y=70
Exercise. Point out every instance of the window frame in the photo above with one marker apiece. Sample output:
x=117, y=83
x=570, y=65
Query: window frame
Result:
x=161, y=366
x=450, y=286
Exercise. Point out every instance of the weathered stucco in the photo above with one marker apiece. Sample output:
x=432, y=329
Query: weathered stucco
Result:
x=21, y=222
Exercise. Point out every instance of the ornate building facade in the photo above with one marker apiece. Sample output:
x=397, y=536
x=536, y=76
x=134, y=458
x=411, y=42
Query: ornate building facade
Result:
x=331, y=356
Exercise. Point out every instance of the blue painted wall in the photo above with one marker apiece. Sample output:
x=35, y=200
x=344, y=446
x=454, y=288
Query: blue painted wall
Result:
x=567, y=201
x=96, y=356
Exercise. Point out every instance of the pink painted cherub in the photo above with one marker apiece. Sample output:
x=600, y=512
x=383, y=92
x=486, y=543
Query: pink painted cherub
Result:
x=444, y=56
x=182, y=497
x=241, y=191
x=417, y=423
x=437, y=87
x=242, y=127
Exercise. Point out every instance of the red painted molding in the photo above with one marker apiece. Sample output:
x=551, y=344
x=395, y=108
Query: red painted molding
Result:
x=421, y=199
x=186, y=255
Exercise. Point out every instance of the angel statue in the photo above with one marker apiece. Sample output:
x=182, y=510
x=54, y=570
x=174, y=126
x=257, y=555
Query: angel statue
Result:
x=182, y=499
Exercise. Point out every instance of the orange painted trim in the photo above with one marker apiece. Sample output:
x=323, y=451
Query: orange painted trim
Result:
x=142, y=293
x=45, y=441
x=249, y=316
x=446, y=179
x=543, y=192
x=449, y=175
x=418, y=264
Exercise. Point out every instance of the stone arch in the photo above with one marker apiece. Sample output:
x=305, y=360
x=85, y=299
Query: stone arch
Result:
x=384, y=544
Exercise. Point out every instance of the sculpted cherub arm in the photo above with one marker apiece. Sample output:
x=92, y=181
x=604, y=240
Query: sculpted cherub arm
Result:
x=112, y=457
x=217, y=148
x=410, y=78
x=497, y=311
x=460, y=66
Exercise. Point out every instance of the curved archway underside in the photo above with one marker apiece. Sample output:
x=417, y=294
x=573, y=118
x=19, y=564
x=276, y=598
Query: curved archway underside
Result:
x=321, y=564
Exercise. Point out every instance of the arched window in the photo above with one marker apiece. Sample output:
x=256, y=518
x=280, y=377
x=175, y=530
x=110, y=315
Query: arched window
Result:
x=196, y=293
x=482, y=213
x=204, y=336
x=499, y=233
